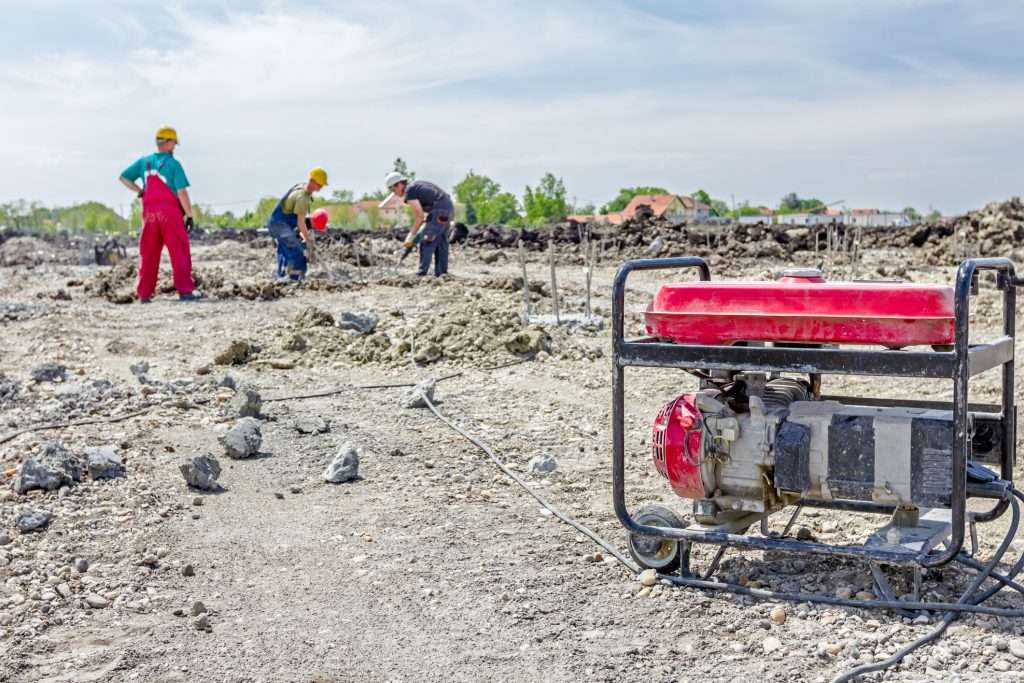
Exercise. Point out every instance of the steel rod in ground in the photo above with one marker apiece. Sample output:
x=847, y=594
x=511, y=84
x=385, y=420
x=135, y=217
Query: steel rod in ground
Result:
x=554, y=282
x=526, y=284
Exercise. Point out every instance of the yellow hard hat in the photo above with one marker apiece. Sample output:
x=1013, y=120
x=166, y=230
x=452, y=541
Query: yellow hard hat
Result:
x=167, y=133
x=318, y=175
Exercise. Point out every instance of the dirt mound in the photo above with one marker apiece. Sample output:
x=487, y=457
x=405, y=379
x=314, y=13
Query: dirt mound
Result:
x=996, y=229
x=117, y=284
x=478, y=331
x=28, y=251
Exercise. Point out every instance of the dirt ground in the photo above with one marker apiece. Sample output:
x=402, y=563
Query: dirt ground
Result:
x=432, y=566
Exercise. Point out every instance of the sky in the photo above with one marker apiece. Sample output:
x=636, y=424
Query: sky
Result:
x=880, y=103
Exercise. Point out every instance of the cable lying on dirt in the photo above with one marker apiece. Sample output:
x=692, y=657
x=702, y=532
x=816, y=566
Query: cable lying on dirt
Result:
x=969, y=601
x=405, y=385
x=612, y=550
x=76, y=423
x=342, y=390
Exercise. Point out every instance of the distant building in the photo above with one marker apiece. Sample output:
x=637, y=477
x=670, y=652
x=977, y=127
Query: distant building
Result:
x=696, y=211
x=803, y=219
x=671, y=207
x=875, y=218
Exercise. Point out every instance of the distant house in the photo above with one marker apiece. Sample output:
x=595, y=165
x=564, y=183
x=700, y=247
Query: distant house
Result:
x=803, y=219
x=764, y=215
x=669, y=206
x=695, y=211
x=875, y=218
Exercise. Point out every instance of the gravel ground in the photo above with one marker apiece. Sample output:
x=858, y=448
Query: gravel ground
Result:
x=428, y=567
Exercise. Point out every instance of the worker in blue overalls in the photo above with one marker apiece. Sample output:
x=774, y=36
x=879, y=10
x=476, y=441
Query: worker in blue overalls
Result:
x=432, y=208
x=289, y=221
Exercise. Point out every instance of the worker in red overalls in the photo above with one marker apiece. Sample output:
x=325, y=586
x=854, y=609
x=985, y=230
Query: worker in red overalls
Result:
x=166, y=217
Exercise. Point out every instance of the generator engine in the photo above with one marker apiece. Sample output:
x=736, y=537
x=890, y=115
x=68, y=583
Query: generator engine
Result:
x=758, y=433
x=756, y=445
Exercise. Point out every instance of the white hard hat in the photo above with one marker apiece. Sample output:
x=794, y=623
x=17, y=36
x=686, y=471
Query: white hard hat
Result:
x=393, y=179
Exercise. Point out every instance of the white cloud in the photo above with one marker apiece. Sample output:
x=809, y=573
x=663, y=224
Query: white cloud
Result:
x=600, y=93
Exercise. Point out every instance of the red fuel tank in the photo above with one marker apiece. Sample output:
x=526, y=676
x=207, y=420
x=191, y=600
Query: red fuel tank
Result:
x=802, y=307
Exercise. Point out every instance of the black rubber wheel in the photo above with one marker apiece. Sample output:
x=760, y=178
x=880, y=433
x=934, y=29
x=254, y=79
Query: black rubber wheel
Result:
x=656, y=553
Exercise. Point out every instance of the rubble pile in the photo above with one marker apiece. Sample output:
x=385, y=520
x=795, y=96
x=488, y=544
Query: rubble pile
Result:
x=475, y=331
x=117, y=284
x=30, y=251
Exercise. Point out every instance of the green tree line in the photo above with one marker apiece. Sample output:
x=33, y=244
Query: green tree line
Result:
x=479, y=199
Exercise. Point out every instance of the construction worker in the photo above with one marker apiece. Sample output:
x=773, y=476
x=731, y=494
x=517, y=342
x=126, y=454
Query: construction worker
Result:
x=432, y=209
x=289, y=221
x=166, y=217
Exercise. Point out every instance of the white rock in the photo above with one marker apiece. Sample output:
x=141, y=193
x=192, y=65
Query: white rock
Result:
x=648, y=577
x=96, y=601
x=771, y=644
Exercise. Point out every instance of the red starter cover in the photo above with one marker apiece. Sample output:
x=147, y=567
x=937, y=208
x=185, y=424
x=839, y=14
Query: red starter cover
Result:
x=802, y=307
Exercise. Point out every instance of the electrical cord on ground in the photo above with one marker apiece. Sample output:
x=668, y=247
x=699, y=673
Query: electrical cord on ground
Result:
x=967, y=598
x=405, y=385
x=612, y=550
x=342, y=390
x=76, y=423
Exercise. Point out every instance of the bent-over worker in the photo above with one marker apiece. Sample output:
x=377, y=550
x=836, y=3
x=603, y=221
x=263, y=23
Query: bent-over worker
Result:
x=289, y=221
x=432, y=207
x=166, y=217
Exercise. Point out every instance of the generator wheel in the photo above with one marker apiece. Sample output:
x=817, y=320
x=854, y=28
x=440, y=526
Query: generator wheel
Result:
x=656, y=553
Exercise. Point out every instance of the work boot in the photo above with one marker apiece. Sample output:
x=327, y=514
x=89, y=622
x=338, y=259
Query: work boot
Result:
x=191, y=296
x=146, y=301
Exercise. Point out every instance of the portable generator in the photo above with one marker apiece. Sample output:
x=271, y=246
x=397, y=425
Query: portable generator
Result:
x=757, y=435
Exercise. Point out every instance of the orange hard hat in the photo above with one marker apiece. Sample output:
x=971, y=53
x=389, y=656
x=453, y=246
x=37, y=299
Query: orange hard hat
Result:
x=319, y=219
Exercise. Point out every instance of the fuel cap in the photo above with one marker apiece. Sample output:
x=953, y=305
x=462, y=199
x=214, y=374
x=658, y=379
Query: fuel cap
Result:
x=802, y=275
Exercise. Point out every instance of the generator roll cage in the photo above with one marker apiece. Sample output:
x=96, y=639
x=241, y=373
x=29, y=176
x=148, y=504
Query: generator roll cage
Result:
x=957, y=365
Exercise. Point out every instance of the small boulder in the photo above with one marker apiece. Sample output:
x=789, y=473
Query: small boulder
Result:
x=9, y=389
x=238, y=352
x=245, y=403
x=544, y=463
x=311, y=316
x=95, y=601
x=311, y=424
x=528, y=341
x=140, y=370
x=53, y=467
x=363, y=323
x=418, y=396
x=344, y=467
x=428, y=353
x=656, y=247
x=29, y=520
x=104, y=462
x=243, y=440
x=201, y=472
x=296, y=342
x=490, y=257
x=49, y=372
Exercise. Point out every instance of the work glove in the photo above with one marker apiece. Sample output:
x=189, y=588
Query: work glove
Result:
x=189, y=224
x=407, y=243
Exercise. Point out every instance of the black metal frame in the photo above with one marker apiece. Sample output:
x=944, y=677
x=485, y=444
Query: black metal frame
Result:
x=958, y=365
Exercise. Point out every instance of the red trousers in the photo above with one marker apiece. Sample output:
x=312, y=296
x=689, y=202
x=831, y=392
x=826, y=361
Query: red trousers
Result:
x=163, y=225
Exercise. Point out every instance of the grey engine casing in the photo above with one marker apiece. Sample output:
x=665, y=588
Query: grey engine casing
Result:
x=896, y=456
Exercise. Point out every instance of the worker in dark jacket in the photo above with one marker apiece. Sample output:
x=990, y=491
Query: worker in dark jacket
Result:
x=290, y=220
x=166, y=217
x=433, y=209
